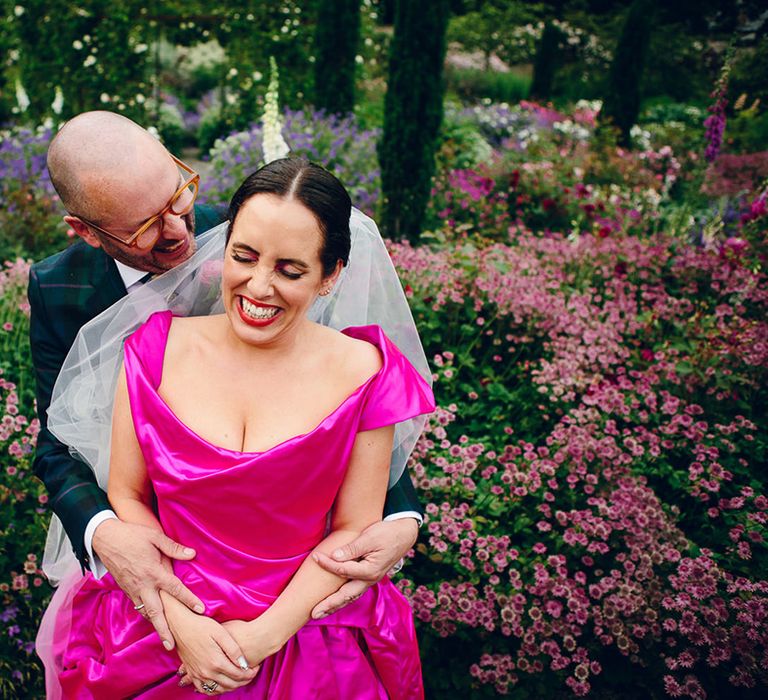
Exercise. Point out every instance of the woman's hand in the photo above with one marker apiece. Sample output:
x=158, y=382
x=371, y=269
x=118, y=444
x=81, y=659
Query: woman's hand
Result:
x=210, y=657
x=256, y=641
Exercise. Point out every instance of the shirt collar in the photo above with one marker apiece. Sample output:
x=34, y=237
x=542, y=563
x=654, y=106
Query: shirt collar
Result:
x=129, y=275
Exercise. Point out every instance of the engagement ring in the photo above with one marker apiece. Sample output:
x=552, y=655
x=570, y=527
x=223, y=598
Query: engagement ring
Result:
x=139, y=606
x=209, y=687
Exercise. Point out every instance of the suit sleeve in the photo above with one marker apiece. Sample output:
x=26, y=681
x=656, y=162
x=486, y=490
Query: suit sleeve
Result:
x=402, y=497
x=73, y=492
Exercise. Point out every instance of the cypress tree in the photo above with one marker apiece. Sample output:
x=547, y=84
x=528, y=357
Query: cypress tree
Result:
x=336, y=39
x=413, y=111
x=622, y=101
x=546, y=61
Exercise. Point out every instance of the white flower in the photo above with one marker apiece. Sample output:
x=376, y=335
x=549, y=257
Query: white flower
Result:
x=273, y=144
x=256, y=75
x=77, y=45
x=140, y=99
x=89, y=61
x=22, y=99
x=359, y=60
x=104, y=97
x=232, y=73
x=19, y=11
x=58, y=101
x=140, y=48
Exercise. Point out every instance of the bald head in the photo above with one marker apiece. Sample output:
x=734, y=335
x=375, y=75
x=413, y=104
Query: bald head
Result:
x=93, y=156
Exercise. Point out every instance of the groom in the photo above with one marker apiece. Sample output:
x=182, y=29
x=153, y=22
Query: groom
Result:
x=132, y=204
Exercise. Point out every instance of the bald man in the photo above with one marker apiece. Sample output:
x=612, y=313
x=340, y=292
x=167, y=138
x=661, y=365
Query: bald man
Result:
x=133, y=205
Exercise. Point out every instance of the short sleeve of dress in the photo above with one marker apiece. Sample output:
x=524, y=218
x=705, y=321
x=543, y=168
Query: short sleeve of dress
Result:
x=398, y=392
x=145, y=348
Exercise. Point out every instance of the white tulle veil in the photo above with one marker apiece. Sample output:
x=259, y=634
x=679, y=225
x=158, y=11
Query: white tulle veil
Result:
x=368, y=291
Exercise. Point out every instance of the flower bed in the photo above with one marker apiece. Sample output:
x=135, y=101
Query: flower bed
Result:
x=597, y=514
x=596, y=503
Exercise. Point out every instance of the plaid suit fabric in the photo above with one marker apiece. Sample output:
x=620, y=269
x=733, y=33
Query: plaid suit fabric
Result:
x=65, y=292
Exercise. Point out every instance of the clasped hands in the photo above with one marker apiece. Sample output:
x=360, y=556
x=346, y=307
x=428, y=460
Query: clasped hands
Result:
x=139, y=558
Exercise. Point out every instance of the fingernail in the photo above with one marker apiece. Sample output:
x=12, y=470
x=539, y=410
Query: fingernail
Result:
x=242, y=663
x=188, y=551
x=168, y=646
x=315, y=557
x=321, y=615
x=199, y=609
x=338, y=554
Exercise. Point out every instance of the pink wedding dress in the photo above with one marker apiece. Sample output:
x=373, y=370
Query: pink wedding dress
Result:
x=252, y=517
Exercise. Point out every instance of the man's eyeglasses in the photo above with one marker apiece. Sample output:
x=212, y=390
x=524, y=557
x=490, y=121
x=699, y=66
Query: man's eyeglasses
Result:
x=150, y=231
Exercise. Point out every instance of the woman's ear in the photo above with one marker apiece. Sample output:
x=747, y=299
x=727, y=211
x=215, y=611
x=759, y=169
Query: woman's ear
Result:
x=330, y=280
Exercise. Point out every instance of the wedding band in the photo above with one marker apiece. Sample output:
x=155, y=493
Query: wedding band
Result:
x=209, y=687
x=139, y=606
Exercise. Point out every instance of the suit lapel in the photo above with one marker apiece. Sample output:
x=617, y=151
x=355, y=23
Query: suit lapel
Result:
x=107, y=283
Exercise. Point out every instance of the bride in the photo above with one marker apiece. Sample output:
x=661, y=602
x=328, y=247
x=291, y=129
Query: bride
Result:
x=263, y=439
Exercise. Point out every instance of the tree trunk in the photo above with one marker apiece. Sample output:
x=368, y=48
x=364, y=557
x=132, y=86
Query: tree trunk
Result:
x=413, y=111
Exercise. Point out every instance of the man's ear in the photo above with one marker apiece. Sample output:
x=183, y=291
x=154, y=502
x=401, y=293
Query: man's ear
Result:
x=82, y=230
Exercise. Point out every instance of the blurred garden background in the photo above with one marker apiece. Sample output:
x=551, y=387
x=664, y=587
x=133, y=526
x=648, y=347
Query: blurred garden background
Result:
x=574, y=193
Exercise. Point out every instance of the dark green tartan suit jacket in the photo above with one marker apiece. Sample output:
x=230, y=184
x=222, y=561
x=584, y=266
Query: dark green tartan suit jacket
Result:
x=65, y=292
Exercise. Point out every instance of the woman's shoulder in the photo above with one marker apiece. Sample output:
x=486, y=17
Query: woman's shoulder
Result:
x=193, y=333
x=351, y=356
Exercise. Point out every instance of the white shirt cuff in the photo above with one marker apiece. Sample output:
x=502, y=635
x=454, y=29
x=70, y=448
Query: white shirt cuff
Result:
x=405, y=514
x=97, y=568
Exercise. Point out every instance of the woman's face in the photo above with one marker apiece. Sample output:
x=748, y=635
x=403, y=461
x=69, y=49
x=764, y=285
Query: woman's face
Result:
x=272, y=271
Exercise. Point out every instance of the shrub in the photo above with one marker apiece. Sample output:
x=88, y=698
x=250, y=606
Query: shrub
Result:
x=336, y=143
x=596, y=516
x=30, y=211
x=24, y=593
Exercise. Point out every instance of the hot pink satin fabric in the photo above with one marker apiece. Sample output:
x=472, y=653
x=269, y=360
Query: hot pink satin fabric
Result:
x=253, y=518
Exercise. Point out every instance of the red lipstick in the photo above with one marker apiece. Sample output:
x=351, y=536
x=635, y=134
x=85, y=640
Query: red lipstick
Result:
x=256, y=322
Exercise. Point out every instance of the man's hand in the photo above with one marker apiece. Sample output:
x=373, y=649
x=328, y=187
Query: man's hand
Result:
x=365, y=560
x=138, y=558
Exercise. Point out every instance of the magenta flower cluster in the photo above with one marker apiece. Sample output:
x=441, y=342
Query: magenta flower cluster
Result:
x=589, y=462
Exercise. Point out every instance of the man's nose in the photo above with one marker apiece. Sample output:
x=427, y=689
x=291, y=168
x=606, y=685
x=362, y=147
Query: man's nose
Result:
x=174, y=226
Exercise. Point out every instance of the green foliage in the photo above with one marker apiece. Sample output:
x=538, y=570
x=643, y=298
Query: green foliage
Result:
x=622, y=100
x=473, y=84
x=23, y=516
x=336, y=41
x=497, y=27
x=412, y=116
x=748, y=73
x=95, y=52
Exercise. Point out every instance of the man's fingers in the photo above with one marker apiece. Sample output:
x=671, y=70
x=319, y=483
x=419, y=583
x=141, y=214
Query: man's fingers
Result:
x=350, y=591
x=360, y=570
x=153, y=611
x=172, y=549
x=355, y=549
x=173, y=586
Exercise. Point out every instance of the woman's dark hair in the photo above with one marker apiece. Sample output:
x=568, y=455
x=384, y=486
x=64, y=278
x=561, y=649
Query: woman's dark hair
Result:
x=313, y=186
